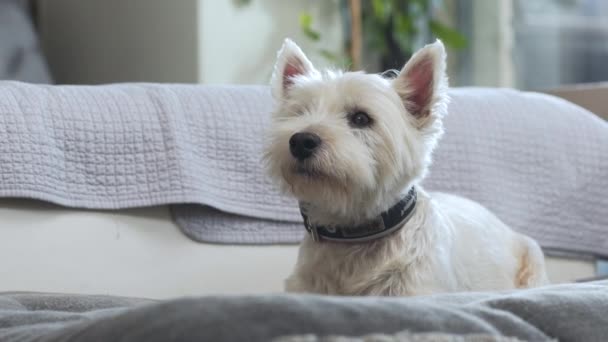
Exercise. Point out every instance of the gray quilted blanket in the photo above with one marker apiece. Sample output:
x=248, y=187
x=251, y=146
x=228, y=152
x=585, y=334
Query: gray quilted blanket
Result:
x=566, y=312
x=537, y=161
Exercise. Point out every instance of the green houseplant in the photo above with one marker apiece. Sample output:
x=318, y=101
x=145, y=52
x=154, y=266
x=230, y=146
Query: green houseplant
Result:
x=387, y=30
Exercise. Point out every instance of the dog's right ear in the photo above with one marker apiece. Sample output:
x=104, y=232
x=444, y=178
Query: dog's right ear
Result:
x=291, y=62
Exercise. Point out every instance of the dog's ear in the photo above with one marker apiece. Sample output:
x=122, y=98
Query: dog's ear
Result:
x=291, y=62
x=422, y=83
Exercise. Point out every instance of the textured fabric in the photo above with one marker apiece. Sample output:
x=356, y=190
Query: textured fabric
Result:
x=565, y=312
x=131, y=145
x=20, y=56
x=401, y=337
x=537, y=161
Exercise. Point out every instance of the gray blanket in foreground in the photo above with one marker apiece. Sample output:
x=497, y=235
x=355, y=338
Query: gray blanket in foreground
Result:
x=576, y=312
x=537, y=161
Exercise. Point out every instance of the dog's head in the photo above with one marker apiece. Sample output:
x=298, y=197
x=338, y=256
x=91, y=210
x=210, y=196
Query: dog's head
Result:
x=342, y=139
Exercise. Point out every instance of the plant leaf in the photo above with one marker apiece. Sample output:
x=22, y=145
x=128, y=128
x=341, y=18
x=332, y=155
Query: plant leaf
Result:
x=381, y=9
x=372, y=32
x=403, y=22
x=242, y=3
x=305, y=19
x=449, y=36
x=328, y=55
x=422, y=5
x=306, y=26
x=336, y=58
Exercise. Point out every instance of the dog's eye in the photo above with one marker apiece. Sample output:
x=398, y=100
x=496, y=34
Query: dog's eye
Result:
x=360, y=119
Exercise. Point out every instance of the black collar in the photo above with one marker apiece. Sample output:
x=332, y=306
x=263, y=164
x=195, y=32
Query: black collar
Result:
x=388, y=222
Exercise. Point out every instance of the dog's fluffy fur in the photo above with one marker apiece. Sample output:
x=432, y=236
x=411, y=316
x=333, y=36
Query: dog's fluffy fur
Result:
x=449, y=244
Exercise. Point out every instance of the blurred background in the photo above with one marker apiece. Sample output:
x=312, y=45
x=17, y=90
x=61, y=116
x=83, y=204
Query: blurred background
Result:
x=531, y=45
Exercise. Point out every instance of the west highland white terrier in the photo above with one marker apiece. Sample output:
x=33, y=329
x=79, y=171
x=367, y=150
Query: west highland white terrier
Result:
x=353, y=149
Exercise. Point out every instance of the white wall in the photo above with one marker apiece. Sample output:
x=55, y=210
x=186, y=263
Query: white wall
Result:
x=492, y=43
x=104, y=41
x=94, y=41
x=239, y=44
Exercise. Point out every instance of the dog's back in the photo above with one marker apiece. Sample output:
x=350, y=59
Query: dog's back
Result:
x=487, y=254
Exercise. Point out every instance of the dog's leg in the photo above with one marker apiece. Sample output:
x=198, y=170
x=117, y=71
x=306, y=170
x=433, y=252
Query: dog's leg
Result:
x=295, y=284
x=310, y=283
x=392, y=279
x=531, y=271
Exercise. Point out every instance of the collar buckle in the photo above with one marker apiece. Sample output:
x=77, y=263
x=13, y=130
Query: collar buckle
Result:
x=311, y=228
x=314, y=233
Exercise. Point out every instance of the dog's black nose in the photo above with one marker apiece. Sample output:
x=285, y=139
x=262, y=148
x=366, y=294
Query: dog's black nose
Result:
x=303, y=145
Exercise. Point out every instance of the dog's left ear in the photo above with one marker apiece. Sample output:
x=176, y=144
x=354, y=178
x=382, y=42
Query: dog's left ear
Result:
x=291, y=62
x=422, y=83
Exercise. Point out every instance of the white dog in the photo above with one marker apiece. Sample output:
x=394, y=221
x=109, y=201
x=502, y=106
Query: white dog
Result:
x=353, y=149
